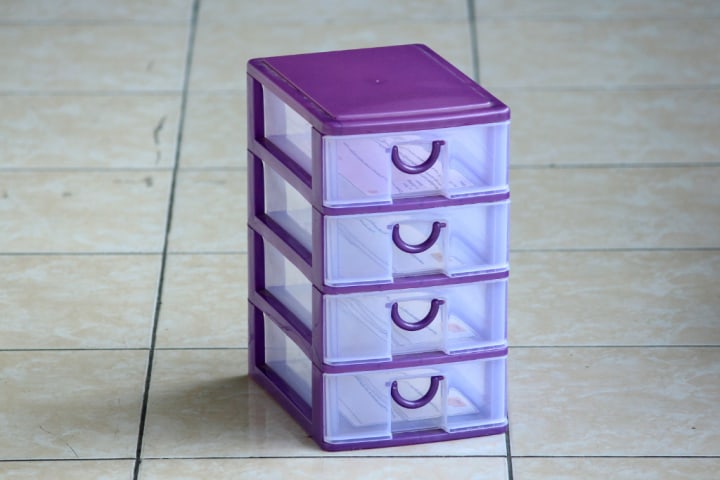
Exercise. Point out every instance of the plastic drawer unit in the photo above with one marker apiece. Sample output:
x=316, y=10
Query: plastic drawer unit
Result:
x=378, y=215
x=343, y=408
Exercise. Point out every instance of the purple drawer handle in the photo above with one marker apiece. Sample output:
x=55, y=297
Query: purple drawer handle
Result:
x=420, y=402
x=420, y=247
x=423, y=167
x=414, y=327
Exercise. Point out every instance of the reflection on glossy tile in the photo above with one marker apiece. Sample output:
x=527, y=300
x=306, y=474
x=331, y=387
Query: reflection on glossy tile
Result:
x=615, y=401
x=210, y=212
x=83, y=211
x=78, y=301
x=327, y=468
x=215, y=132
x=615, y=298
x=204, y=302
x=616, y=468
x=68, y=470
x=68, y=405
x=599, y=54
x=615, y=208
x=89, y=132
x=597, y=8
x=221, y=51
x=323, y=13
x=202, y=404
x=613, y=127
x=160, y=11
x=92, y=57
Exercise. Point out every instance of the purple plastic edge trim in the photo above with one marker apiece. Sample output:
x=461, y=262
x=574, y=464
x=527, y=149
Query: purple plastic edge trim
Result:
x=259, y=69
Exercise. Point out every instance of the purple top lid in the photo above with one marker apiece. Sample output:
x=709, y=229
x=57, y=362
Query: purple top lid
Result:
x=373, y=90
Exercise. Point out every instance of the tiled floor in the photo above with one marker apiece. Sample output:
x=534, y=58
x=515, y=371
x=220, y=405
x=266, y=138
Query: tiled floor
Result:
x=123, y=248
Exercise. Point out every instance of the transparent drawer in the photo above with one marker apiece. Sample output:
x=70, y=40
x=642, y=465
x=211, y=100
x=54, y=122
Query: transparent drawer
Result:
x=377, y=247
x=377, y=168
x=375, y=327
x=381, y=404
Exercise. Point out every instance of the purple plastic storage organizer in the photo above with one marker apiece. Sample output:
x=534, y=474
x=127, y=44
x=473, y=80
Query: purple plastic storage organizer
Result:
x=378, y=246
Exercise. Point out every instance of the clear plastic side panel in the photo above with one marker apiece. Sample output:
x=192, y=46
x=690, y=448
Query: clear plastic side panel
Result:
x=453, y=162
x=357, y=407
x=476, y=394
x=356, y=328
x=478, y=160
x=357, y=250
x=475, y=316
x=287, y=284
x=287, y=360
x=285, y=128
x=285, y=205
x=477, y=238
x=356, y=171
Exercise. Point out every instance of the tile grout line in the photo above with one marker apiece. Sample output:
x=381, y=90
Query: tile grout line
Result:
x=168, y=225
x=508, y=452
x=473, y=40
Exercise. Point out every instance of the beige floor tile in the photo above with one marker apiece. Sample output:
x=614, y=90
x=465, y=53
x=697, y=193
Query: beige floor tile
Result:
x=92, y=57
x=89, y=132
x=597, y=8
x=210, y=212
x=615, y=208
x=78, y=301
x=202, y=404
x=83, y=211
x=616, y=468
x=613, y=127
x=72, y=404
x=598, y=54
x=215, y=132
x=615, y=298
x=327, y=468
x=95, y=10
x=204, y=302
x=615, y=401
x=328, y=12
x=222, y=51
x=68, y=470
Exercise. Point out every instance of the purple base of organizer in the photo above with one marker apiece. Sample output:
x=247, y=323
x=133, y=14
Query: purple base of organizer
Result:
x=311, y=419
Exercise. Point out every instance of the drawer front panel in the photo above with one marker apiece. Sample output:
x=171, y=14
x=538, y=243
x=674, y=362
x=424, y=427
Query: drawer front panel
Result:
x=376, y=248
x=449, y=318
